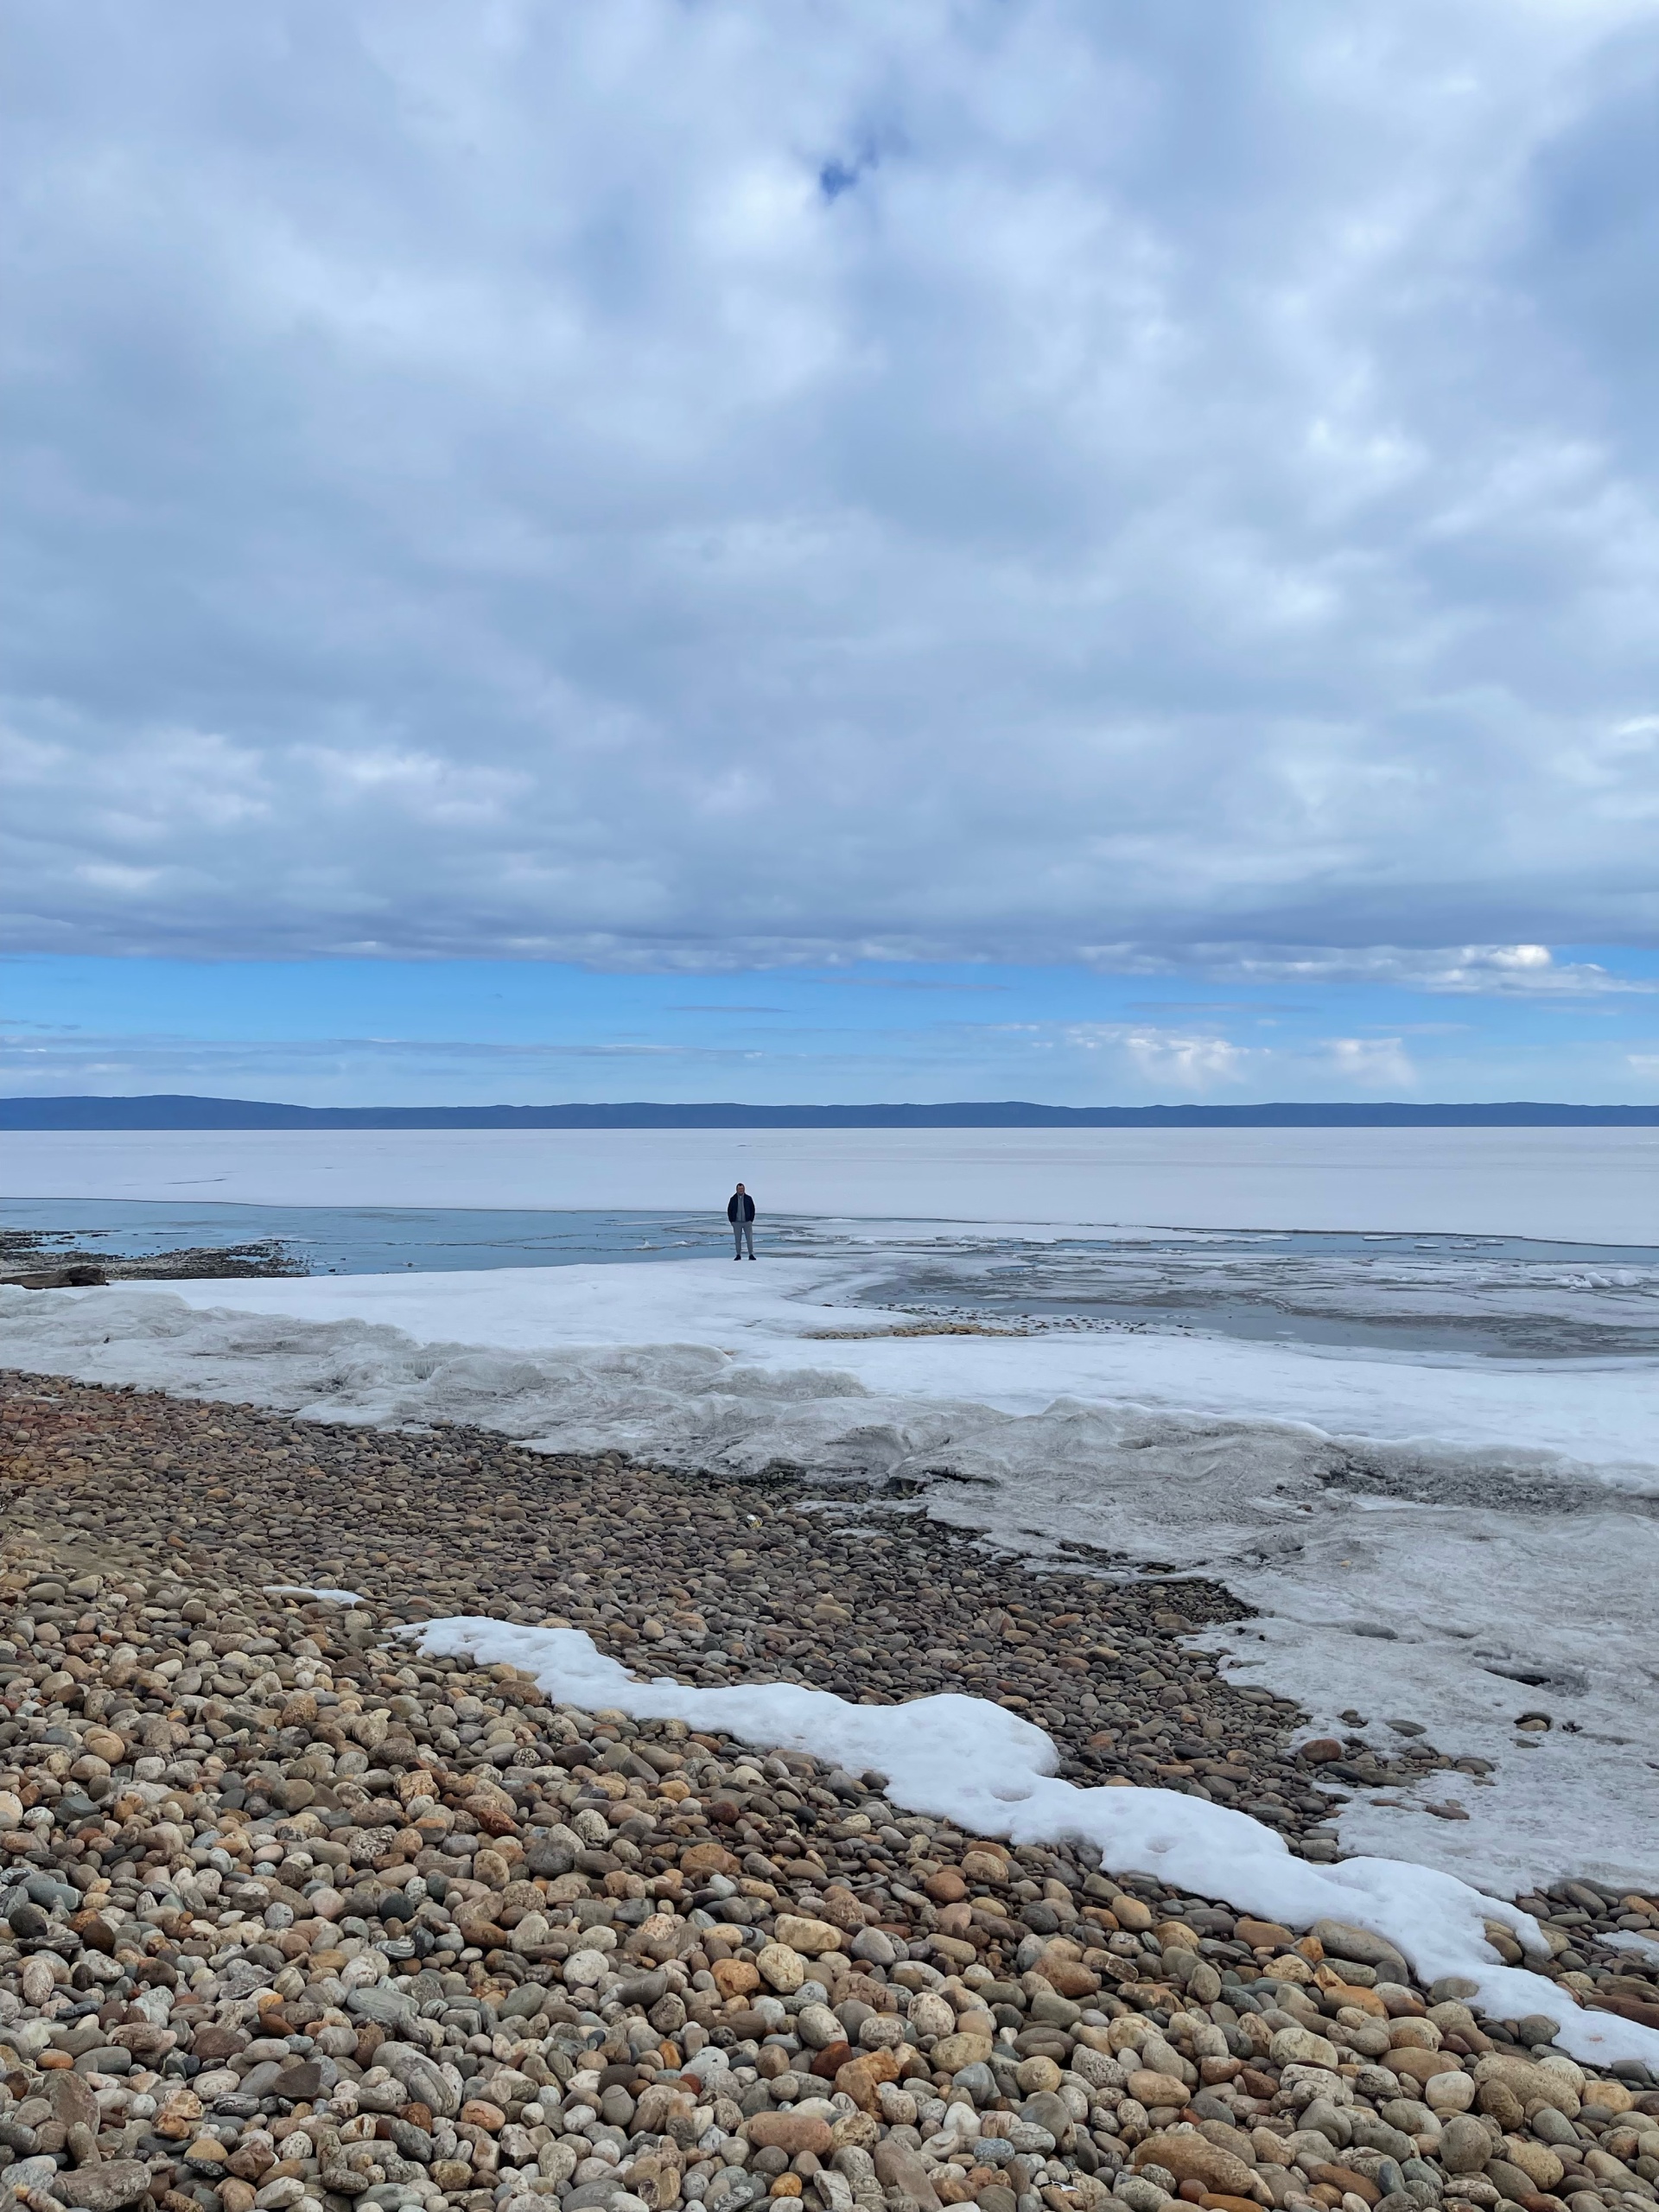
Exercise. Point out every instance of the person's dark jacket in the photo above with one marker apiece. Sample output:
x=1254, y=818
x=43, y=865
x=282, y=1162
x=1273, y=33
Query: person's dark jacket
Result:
x=732, y=1203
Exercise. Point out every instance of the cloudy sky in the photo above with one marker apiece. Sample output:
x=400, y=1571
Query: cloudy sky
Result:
x=1045, y=548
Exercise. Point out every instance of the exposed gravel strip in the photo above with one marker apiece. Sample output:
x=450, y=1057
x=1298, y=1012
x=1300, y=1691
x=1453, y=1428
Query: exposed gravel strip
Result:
x=296, y=1920
x=718, y=1578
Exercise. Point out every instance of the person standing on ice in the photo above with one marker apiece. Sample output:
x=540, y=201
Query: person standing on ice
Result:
x=740, y=1211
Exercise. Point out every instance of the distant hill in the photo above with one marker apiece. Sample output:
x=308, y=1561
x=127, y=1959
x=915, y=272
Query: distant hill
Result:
x=165, y=1112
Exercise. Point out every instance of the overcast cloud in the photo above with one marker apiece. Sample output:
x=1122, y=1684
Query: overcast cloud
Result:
x=1166, y=487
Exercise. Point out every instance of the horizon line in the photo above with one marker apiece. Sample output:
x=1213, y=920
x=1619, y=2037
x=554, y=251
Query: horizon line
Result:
x=162, y=1110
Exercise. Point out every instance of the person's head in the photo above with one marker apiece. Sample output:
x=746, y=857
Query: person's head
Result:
x=739, y=1190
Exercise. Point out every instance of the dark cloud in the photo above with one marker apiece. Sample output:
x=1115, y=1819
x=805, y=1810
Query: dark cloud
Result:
x=706, y=486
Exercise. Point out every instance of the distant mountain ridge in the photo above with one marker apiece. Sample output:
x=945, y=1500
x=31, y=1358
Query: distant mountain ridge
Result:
x=168, y=1112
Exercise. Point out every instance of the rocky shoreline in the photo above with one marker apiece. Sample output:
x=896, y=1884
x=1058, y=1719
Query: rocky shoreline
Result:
x=44, y=1260
x=292, y=1915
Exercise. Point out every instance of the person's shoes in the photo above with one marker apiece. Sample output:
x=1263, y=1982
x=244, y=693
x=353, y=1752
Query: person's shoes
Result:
x=751, y=1256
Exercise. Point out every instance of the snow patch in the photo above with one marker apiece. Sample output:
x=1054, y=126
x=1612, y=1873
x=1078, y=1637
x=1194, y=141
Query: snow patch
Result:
x=329, y=1596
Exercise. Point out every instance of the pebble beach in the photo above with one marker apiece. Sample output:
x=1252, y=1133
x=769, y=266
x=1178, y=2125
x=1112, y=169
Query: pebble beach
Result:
x=294, y=1913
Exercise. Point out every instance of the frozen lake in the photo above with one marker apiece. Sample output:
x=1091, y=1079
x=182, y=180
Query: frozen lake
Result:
x=1410, y=1416
x=1597, y=1186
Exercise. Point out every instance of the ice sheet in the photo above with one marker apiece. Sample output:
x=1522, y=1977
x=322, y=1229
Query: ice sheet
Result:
x=1597, y=1185
x=1450, y=1543
x=969, y=1761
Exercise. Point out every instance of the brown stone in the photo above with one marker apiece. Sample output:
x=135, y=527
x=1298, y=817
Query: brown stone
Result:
x=1607, y=2096
x=1149, y=2088
x=1363, y=2000
x=711, y=1859
x=812, y=1937
x=1645, y=2014
x=951, y=2053
x=861, y=2078
x=1422, y=2065
x=95, y=1932
x=1194, y=2157
x=788, y=2131
x=842, y=1909
x=983, y=1864
x=946, y=1887
x=1320, y=1751
x=70, y=2098
x=1071, y=1977
x=213, y=2045
x=1262, y=1934
x=1349, y=2182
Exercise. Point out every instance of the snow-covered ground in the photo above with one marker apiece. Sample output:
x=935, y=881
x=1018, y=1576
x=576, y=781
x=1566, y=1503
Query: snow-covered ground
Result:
x=1445, y=1540
x=1597, y=1185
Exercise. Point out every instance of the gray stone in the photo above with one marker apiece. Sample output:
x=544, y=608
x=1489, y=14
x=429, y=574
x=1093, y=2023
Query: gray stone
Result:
x=730, y=2188
x=303, y=2079
x=1342, y=1939
x=105, y=2058
x=420, y=2077
x=242, y=1977
x=105, y=2188
x=979, y=2081
x=1465, y=2144
x=1139, y=2194
x=642, y=1989
x=386, y=2006
x=1383, y=2134
x=71, y=2099
x=30, y=2173
x=1509, y=2179
x=1046, y=2110
x=897, y=2166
